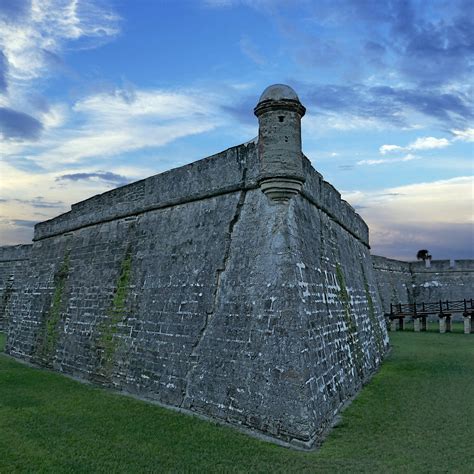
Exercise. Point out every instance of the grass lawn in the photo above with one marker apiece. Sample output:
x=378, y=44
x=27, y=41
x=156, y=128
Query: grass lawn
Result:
x=417, y=415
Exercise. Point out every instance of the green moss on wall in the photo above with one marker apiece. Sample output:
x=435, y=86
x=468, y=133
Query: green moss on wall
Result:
x=50, y=333
x=107, y=342
x=345, y=299
x=349, y=318
x=377, y=330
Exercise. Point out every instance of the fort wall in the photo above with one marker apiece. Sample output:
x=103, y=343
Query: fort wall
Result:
x=239, y=287
x=443, y=280
x=394, y=281
x=421, y=282
x=212, y=287
x=13, y=267
x=227, y=305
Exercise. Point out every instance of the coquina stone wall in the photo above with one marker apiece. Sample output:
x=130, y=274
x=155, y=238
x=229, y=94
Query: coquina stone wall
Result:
x=13, y=267
x=394, y=281
x=409, y=282
x=443, y=280
x=213, y=289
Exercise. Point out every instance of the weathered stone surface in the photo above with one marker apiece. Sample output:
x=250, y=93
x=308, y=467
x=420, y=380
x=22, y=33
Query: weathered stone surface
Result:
x=409, y=282
x=215, y=175
x=394, y=281
x=443, y=281
x=279, y=113
x=13, y=267
x=194, y=288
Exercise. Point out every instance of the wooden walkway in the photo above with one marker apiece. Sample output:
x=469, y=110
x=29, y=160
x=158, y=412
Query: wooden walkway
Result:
x=420, y=312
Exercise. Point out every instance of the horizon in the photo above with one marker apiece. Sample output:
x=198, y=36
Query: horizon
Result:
x=91, y=99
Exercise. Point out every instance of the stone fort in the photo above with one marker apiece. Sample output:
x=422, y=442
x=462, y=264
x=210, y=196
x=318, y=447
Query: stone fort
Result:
x=239, y=287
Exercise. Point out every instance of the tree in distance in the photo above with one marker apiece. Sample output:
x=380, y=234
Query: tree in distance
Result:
x=423, y=255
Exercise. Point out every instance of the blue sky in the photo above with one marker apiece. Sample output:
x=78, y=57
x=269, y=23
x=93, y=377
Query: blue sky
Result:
x=95, y=94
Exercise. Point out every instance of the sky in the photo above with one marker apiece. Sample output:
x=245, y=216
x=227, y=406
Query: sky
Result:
x=95, y=94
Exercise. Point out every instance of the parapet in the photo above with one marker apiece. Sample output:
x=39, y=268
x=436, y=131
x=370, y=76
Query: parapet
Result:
x=419, y=266
x=198, y=180
x=13, y=253
x=390, y=264
x=218, y=174
x=442, y=266
x=463, y=265
x=325, y=196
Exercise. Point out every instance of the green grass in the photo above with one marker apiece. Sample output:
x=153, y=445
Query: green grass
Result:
x=416, y=416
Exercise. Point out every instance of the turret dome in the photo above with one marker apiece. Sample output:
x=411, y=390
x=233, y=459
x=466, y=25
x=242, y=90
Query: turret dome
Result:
x=278, y=92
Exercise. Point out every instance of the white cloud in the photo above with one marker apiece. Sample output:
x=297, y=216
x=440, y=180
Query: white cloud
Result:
x=111, y=124
x=20, y=190
x=31, y=43
x=447, y=201
x=85, y=137
x=422, y=143
x=428, y=143
x=372, y=162
x=321, y=124
x=408, y=157
x=54, y=116
x=466, y=135
x=108, y=141
x=389, y=148
x=149, y=104
x=438, y=214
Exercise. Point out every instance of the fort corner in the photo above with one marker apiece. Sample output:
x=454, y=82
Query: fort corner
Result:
x=239, y=287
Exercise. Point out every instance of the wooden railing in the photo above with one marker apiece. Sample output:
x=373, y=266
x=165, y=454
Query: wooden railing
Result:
x=424, y=309
x=420, y=312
